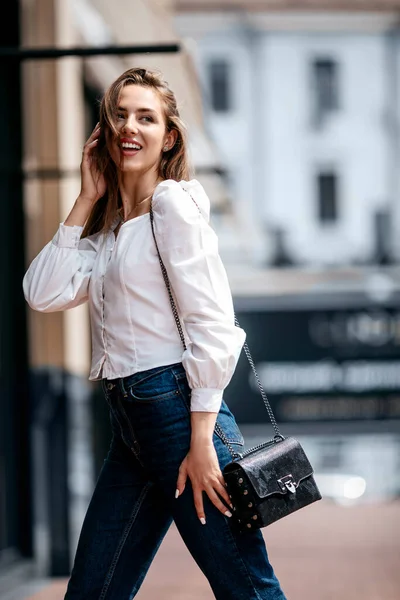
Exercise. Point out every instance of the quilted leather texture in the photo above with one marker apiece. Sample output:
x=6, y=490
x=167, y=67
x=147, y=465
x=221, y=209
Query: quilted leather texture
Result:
x=253, y=484
x=265, y=467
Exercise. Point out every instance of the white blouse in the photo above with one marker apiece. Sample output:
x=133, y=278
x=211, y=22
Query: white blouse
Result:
x=132, y=325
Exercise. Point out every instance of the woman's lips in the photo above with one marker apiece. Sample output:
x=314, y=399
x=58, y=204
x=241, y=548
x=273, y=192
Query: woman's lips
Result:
x=129, y=152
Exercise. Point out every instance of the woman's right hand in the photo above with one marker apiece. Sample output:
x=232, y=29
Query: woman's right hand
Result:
x=93, y=184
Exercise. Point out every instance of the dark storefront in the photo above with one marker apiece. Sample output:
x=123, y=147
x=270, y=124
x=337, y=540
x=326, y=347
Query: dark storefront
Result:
x=320, y=363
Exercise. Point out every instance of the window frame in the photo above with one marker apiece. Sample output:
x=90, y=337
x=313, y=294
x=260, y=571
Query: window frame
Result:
x=224, y=92
x=327, y=216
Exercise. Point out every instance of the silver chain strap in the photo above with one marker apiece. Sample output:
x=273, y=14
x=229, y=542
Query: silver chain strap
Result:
x=218, y=429
x=260, y=387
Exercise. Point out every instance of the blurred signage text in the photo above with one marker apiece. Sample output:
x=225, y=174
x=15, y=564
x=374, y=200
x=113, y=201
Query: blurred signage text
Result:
x=320, y=365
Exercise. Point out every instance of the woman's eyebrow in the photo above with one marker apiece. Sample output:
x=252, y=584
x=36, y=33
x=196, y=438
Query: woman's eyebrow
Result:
x=150, y=110
x=147, y=110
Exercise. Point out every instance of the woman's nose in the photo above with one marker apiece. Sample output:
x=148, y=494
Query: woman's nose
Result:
x=130, y=126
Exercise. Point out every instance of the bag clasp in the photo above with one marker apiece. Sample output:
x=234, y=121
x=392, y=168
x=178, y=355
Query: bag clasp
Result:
x=287, y=483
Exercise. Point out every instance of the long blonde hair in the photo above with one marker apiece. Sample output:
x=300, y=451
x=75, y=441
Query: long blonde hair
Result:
x=174, y=163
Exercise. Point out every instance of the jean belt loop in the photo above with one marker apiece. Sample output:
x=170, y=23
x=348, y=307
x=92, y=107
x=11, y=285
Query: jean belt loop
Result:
x=122, y=388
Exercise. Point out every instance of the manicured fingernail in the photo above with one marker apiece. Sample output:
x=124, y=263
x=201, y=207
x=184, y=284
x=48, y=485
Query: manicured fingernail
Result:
x=202, y=520
x=227, y=513
x=176, y=493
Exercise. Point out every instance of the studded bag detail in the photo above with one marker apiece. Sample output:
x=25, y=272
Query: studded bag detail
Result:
x=266, y=482
x=270, y=482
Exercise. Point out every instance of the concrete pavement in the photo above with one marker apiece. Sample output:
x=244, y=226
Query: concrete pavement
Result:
x=323, y=552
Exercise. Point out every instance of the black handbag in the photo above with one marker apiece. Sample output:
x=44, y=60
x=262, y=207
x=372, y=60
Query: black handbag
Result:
x=266, y=482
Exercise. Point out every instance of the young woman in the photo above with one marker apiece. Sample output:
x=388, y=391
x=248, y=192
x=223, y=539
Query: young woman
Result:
x=164, y=463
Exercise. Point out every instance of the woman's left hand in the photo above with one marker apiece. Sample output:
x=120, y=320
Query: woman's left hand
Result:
x=202, y=467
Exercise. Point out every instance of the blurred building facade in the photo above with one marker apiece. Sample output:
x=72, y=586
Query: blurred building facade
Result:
x=302, y=100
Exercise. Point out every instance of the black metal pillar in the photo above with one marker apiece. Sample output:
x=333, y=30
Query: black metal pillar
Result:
x=15, y=488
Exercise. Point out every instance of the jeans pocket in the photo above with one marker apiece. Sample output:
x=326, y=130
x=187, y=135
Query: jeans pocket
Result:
x=230, y=428
x=159, y=386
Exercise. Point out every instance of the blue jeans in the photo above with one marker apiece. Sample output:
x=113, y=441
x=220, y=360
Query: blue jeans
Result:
x=133, y=504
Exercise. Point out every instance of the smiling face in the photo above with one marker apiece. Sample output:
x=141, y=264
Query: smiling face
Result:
x=142, y=136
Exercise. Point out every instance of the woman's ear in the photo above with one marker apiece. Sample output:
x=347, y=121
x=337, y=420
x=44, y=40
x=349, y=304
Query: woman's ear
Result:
x=170, y=140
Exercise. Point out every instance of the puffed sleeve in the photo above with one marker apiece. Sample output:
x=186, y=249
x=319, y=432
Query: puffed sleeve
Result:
x=58, y=278
x=189, y=249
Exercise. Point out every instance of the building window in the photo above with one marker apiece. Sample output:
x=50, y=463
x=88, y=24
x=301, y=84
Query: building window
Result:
x=219, y=77
x=327, y=197
x=325, y=86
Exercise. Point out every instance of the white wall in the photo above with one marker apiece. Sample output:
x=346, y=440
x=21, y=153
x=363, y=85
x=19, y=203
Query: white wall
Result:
x=274, y=153
x=353, y=143
x=232, y=131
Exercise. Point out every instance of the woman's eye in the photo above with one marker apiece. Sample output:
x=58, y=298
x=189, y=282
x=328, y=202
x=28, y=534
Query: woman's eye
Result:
x=147, y=118
x=120, y=116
